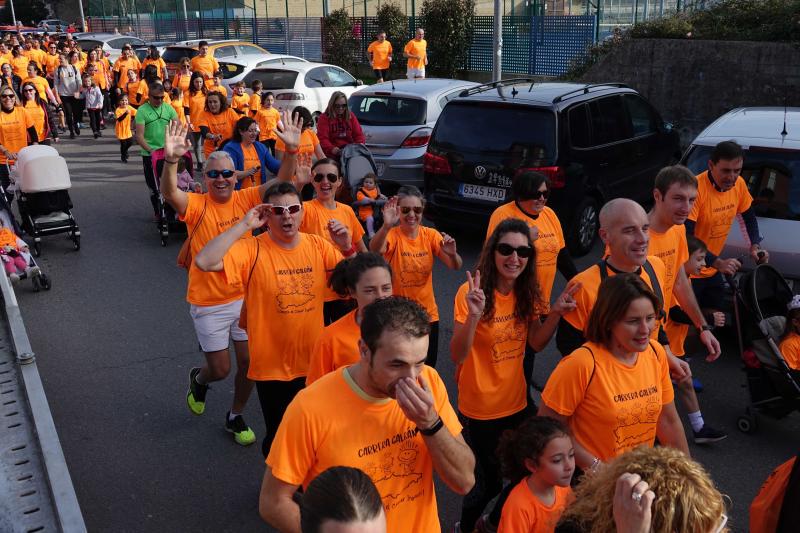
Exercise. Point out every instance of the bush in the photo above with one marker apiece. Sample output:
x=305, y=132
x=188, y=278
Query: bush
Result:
x=677, y=27
x=448, y=30
x=394, y=22
x=339, y=46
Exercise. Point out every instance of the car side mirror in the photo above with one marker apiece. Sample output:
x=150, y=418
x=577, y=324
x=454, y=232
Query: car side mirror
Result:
x=359, y=83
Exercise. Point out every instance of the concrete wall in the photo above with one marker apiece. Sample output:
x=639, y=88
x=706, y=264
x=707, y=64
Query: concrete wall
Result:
x=693, y=82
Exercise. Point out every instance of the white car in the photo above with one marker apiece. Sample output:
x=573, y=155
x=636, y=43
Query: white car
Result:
x=111, y=43
x=235, y=70
x=304, y=84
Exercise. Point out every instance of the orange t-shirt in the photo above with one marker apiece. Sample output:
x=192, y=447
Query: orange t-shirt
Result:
x=586, y=295
x=177, y=105
x=206, y=65
x=611, y=407
x=335, y=423
x=316, y=217
x=267, y=120
x=14, y=131
x=214, y=88
x=37, y=55
x=19, y=65
x=8, y=238
x=284, y=291
x=672, y=249
x=136, y=91
x=41, y=86
x=211, y=288
x=790, y=349
x=366, y=211
x=713, y=213
x=122, y=127
x=380, y=54
x=305, y=150
x=255, y=103
x=335, y=348
x=51, y=62
x=676, y=333
x=523, y=512
x=197, y=104
x=491, y=381
x=251, y=160
x=222, y=124
x=417, y=48
x=100, y=77
x=37, y=115
x=159, y=63
x=242, y=103
x=124, y=64
x=181, y=82
x=547, y=246
x=412, y=265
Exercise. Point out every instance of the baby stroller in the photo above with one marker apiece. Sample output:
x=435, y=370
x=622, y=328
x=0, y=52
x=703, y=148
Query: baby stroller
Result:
x=356, y=161
x=167, y=218
x=41, y=178
x=760, y=300
x=37, y=277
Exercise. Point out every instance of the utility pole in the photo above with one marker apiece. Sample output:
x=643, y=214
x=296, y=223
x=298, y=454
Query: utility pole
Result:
x=13, y=15
x=497, y=48
x=80, y=7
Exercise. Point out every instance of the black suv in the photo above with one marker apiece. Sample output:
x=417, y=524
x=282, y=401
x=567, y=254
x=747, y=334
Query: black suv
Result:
x=594, y=142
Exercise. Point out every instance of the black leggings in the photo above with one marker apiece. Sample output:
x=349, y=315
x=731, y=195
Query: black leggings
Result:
x=72, y=112
x=275, y=397
x=150, y=180
x=124, y=146
x=95, y=116
x=433, y=345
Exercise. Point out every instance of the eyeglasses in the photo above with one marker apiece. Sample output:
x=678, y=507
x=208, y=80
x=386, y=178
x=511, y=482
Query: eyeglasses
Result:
x=536, y=195
x=279, y=210
x=10, y=96
x=506, y=250
x=340, y=106
x=29, y=90
x=214, y=174
x=332, y=178
x=722, y=522
x=406, y=210
x=156, y=97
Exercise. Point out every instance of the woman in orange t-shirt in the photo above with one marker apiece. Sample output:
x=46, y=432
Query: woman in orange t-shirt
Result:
x=614, y=392
x=411, y=248
x=365, y=277
x=183, y=78
x=194, y=103
x=495, y=317
x=36, y=108
x=216, y=123
x=16, y=130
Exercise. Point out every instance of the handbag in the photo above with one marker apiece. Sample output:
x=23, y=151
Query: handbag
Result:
x=185, y=253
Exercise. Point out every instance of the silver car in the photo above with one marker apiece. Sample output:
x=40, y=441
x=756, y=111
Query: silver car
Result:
x=397, y=118
x=111, y=43
x=234, y=71
x=771, y=141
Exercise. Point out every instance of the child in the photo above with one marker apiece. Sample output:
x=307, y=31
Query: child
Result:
x=215, y=84
x=93, y=96
x=240, y=101
x=176, y=101
x=185, y=179
x=15, y=254
x=133, y=88
x=368, y=199
x=123, y=113
x=268, y=119
x=790, y=345
x=539, y=459
x=255, y=99
x=167, y=91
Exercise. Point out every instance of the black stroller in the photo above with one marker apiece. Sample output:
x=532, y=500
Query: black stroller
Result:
x=356, y=161
x=760, y=300
x=167, y=218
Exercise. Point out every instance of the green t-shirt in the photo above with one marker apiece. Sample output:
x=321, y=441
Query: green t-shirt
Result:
x=155, y=120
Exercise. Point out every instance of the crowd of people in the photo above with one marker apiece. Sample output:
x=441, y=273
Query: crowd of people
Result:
x=357, y=418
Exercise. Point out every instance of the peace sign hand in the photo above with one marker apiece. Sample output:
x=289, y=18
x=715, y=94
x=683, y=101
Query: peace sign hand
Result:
x=565, y=302
x=476, y=299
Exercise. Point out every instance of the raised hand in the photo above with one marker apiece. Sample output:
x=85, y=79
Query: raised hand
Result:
x=291, y=130
x=415, y=399
x=566, y=301
x=448, y=244
x=176, y=141
x=476, y=299
x=632, y=504
x=340, y=234
x=391, y=214
x=302, y=173
x=257, y=216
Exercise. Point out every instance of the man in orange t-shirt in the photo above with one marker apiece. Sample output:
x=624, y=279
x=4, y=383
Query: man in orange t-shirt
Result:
x=215, y=305
x=387, y=415
x=380, y=56
x=416, y=50
x=203, y=62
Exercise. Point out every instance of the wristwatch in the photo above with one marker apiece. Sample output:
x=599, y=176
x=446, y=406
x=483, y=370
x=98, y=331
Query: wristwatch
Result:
x=706, y=327
x=433, y=429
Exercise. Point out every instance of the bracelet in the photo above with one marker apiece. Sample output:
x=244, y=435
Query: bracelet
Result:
x=439, y=424
x=171, y=162
x=706, y=327
x=350, y=251
x=292, y=152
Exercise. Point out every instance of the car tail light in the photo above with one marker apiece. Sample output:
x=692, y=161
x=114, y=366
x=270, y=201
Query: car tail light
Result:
x=556, y=175
x=290, y=96
x=436, y=164
x=417, y=138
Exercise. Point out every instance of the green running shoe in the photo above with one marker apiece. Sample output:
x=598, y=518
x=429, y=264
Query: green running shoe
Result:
x=242, y=434
x=196, y=397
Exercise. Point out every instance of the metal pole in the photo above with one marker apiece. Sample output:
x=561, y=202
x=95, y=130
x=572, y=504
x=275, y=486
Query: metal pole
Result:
x=185, y=20
x=13, y=15
x=497, y=65
x=80, y=8
x=103, y=10
x=286, y=28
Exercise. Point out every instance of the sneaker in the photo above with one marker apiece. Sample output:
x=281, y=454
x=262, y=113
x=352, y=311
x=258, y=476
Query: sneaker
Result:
x=707, y=435
x=14, y=277
x=242, y=434
x=196, y=397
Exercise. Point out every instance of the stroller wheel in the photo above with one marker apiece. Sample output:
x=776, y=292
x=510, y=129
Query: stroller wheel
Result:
x=76, y=242
x=37, y=249
x=163, y=240
x=747, y=423
x=36, y=286
x=44, y=281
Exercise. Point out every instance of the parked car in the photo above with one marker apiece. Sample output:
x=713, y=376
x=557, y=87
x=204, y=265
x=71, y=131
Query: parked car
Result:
x=307, y=84
x=594, y=142
x=111, y=43
x=230, y=49
x=142, y=51
x=770, y=137
x=235, y=71
x=51, y=25
x=397, y=118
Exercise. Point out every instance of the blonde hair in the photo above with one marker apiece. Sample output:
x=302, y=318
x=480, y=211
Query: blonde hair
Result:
x=686, y=498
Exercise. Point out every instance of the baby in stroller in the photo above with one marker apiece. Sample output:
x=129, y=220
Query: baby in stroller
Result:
x=369, y=202
x=790, y=344
x=15, y=254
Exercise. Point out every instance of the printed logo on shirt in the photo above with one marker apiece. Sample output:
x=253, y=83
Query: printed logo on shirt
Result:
x=415, y=269
x=509, y=339
x=397, y=465
x=636, y=421
x=295, y=290
x=721, y=222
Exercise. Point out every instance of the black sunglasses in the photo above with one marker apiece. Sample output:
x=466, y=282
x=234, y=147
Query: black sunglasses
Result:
x=406, y=210
x=214, y=174
x=507, y=249
x=537, y=195
x=7, y=96
x=340, y=106
x=332, y=178
x=279, y=210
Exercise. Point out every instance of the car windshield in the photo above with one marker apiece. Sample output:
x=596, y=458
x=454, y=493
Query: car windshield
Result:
x=772, y=175
x=496, y=129
x=87, y=44
x=174, y=55
x=272, y=79
x=388, y=110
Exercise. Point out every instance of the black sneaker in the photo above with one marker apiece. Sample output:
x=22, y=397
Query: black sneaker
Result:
x=242, y=434
x=196, y=397
x=707, y=435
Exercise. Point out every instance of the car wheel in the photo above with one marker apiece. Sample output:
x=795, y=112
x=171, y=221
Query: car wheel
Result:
x=583, y=228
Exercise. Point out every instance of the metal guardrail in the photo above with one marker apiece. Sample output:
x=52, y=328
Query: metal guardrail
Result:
x=36, y=491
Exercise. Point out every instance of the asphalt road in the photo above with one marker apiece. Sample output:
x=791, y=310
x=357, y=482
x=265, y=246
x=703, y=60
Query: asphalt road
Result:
x=114, y=344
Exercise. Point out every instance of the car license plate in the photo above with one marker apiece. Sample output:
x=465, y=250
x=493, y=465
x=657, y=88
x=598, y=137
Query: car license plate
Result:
x=481, y=192
x=380, y=168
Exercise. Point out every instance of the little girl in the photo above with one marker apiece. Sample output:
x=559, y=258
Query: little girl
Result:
x=14, y=254
x=93, y=97
x=240, y=102
x=268, y=119
x=790, y=345
x=122, y=126
x=176, y=101
x=540, y=459
x=255, y=98
x=368, y=199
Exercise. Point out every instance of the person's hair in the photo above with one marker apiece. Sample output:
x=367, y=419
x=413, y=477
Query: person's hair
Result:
x=185, y=61
x=669, y=176
x=280, y=188
x=792, y=314
x=686, y=498
x=304, y=113
x=217, y=73
x=88, y=77
x=10, y=88
x=239, y=84
x=525, y=288
x=340, y=494
x=695, y=244
x=16, y=50
x=527, y=183
x=528, y=441
x=36, y=98
x=213, y=156
x=9, y=66
x=727, y=150
x=134, y=71
x=36, y=66
x=381, y=31
x=202, y=44
x=257, y=85
x=330, y=110
x=192, y=89
x=615, y=295
x=395, y=313
x=153, y=53
x=348, y=272
x=223, y=102
x=242, y=125
x=175, y=93
x=370, y=176
x=150, y=72
x=327, y=161
x=155, y=86
x=407, y=191
x=123, y=95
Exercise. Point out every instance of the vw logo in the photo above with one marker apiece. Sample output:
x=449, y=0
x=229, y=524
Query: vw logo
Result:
x=480, y=172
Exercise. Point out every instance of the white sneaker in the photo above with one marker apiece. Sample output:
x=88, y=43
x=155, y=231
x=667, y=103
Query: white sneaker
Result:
x=14, y=277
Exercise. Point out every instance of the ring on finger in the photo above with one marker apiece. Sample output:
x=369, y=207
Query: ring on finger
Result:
x=637, y=496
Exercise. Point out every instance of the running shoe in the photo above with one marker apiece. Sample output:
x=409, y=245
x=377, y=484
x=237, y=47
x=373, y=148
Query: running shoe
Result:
x=196, y=397
x=707, y=435
x=242, y=434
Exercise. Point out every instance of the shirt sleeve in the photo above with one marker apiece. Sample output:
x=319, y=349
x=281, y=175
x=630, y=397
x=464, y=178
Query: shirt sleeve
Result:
x=293, y=451
x=331, y=256
x=745, y=199
x=238, y=261
x=516, y=518
x=460, y=308
x=566, y=387
x=442, y=402
x=194, y=207
x=358, y=231
x=668, y=393
x=435, y=241
x=319, y=363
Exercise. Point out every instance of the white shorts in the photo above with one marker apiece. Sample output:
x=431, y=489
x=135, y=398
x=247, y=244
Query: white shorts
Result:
x=216, y=325
x=412, y=73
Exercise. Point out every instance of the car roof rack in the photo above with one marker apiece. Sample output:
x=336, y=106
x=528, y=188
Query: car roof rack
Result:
x=585, y=90
x=494, y=85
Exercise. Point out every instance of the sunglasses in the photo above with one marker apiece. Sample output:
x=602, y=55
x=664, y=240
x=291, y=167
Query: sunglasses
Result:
x=332, y=178
x=406, y=210
x=214, y=174
x=154, y=97
x=340, y=106
x=279, y=210
x=11, y=96
x=723, y=522
x=506, y=250
x=537, y=195
x=29, y=91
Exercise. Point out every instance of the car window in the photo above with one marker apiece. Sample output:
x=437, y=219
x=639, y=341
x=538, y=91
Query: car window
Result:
x=580, y=129
x=316, y=77
x=772, y=176
x=117, y=44
x=339, y=78
x=643, y=120
x=609, y=120
x=174, y=55
x=225, y=51
x=250, y=50
x=230, y=70
x=449, y=96
x=88, y=44
x=387, y=110
x=272, y=79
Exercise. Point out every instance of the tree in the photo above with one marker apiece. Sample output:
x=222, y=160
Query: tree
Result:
x=394, y=22
x=339, y=46
x=448, y=30
x=27, y=12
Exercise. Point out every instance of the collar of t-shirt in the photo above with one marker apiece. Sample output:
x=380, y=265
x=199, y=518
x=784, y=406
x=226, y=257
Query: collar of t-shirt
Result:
x=533, y=216
x=638, y=271
x=713, y=183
